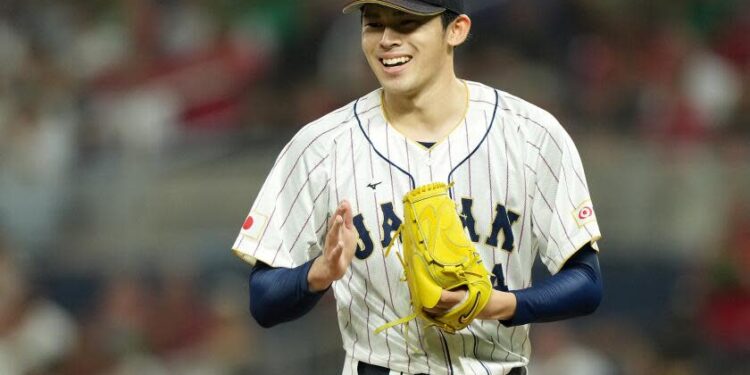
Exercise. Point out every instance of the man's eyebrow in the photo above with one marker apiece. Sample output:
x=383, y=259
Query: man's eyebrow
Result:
x=370, y=14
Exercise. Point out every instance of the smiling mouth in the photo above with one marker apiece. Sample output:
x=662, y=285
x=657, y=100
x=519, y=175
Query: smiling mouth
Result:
x=397, y=61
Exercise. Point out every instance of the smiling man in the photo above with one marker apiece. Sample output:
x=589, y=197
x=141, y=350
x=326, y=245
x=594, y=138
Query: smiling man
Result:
x=333, y=203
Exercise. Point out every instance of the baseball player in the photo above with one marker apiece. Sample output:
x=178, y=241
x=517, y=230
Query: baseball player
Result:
x=332, y=203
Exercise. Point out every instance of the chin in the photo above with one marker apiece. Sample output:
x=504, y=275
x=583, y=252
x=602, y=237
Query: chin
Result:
x=398, y=86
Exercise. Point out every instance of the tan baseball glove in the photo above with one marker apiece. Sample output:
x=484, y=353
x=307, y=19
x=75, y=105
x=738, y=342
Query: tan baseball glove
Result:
x=438, y=255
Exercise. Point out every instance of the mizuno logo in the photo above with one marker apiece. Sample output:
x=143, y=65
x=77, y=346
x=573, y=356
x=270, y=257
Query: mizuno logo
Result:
x=374, y=185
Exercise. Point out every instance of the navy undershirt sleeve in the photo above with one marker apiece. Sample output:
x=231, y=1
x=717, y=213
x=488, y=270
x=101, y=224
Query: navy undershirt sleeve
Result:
x=280, y=295
x=574, y=291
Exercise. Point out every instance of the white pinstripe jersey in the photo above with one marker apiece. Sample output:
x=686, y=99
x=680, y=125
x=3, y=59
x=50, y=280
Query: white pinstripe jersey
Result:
x=519, y=183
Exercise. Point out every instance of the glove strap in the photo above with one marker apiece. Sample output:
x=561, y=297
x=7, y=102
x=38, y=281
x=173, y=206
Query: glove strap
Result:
x=396, y=322
x=393, y=240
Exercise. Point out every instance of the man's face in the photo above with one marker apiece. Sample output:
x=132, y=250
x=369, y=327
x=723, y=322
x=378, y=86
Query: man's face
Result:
x=405, y=51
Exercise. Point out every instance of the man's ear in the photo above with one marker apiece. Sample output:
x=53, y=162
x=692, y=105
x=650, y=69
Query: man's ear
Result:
x=458, y=30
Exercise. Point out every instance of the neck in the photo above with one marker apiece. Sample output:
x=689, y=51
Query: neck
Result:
x=430, y=112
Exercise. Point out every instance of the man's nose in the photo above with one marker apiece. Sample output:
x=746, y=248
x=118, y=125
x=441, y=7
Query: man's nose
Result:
x=390, y=38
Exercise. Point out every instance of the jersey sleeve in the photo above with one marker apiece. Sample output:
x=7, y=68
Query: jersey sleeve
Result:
x=284, y=226
x=563, y=218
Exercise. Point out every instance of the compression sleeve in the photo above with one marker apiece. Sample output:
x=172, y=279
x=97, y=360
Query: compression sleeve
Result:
x=574, y=291
x=279, y=295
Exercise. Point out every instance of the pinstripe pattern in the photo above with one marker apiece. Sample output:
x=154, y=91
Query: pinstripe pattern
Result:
x=385, y=264
x=505, y=153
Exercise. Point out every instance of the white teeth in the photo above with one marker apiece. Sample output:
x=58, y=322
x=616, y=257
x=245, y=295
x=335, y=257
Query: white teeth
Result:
x=396, y=61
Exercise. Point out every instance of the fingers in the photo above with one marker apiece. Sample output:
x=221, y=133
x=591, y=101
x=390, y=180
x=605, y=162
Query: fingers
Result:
x=345, y=211
x=448, y=299
x=340, y=230
x=346, y=208
x=339, y=212
x=333, y=231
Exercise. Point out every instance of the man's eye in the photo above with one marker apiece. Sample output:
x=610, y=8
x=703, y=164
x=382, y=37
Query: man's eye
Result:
x=409, y=25
x=373, y=24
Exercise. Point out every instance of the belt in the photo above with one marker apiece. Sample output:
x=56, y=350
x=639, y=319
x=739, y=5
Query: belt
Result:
x=368, y=369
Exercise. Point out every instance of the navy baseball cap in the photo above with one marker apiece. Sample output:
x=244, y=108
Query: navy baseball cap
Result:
x=418, y=7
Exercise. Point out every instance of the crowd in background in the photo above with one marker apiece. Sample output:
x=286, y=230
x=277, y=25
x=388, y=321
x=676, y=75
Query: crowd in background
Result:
x=104, y=103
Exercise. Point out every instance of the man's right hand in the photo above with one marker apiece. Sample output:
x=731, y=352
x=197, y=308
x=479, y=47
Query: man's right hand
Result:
x=338, y=252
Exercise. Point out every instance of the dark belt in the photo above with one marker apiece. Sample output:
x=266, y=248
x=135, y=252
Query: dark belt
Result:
x=368, y=369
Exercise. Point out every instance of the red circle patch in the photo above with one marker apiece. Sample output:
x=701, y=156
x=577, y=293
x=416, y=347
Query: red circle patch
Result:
x=585, y=212
x=248, y=223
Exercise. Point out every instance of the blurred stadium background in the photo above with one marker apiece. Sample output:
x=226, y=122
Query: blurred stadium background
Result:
x=134, y=135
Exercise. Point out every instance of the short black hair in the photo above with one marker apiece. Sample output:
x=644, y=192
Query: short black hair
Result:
x=448, y=16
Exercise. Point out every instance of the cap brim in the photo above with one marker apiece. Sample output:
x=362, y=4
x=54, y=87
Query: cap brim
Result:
x=407, y=6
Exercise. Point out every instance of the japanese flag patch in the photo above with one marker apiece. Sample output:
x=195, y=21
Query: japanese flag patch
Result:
x=584, y=213
x=254, y=225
